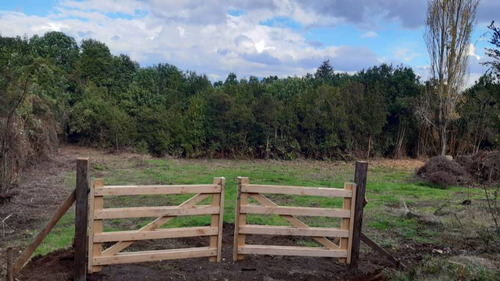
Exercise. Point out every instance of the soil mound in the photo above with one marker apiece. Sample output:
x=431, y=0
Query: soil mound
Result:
x=444, y=172
x=482, y=168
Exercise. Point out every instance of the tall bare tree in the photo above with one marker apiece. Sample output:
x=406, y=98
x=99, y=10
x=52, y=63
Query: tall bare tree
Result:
x=447, y=36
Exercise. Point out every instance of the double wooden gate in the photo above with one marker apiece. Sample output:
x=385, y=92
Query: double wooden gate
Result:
x=339, y=247
x=335, y=242
x=97, y=256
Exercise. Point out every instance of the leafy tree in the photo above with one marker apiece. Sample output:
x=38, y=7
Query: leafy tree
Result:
x=480, y=119
x=494, y=53
x=59, y=47
x=324, y=71
x=99, y=99
x=448, y=29
x=96, y=62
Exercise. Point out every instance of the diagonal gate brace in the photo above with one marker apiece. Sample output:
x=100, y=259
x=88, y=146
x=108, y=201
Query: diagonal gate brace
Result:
x=157, y=223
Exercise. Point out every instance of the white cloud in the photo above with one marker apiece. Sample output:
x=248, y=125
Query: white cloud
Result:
x=472, y=52
x=369, y=34
x=197, y=35
x=405, y=54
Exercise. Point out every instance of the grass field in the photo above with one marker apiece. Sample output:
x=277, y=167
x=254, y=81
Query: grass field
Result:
x=461, y=234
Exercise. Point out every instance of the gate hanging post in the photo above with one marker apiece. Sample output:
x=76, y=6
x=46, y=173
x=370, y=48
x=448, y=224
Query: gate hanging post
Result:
x=81, y=218
x=10, y=271
x=360, y=181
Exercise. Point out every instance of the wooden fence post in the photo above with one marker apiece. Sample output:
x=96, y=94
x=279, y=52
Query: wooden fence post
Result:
x=10, y=271
x=81, y=218
x=360, y=181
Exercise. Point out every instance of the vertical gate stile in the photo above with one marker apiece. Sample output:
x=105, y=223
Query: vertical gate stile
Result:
x=90, y=252
x=97, y=227
x=221, y=219
x=351, y=221
x=345, y=223
x=240, y=219
x=236, y=220
x=215, y=220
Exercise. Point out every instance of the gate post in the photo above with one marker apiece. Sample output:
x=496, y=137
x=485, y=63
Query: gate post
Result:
x=360, y=181
x=81, y=218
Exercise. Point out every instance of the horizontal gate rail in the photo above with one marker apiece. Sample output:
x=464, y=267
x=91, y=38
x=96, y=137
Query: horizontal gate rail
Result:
x=340, y=247
x=159, y=255
x=98, y=257
x=291, y=251
x=292, y=231
x=156, y=234
x=120, y=190
x=146, y=212
x=295, y=211
x=296, y=190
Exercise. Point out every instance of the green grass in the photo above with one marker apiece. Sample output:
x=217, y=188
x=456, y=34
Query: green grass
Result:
x=387, y=189
x=431, y=268
x=60, y=237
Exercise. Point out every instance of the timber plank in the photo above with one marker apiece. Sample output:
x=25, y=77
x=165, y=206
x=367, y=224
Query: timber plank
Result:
x=119, y=190
x=296, y=190
x=157, y=223
x=294, y=221
x=293, y=231
x=155, y=234
x=291, y=251
x=295, y=211
x=147, y=256
x=141, y=212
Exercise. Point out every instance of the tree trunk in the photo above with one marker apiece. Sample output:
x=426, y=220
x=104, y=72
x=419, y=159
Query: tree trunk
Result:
x=267, y=147
x=369, y=146
x=399, y=142
x=443, y=138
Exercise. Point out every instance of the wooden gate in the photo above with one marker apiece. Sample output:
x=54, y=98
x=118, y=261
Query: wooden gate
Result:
x=340, y=247
x=97, y=256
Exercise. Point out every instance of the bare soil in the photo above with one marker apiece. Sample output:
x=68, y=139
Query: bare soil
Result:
x=58, y=265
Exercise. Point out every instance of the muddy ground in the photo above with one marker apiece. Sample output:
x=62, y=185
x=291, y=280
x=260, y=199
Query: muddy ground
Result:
x=58, y=265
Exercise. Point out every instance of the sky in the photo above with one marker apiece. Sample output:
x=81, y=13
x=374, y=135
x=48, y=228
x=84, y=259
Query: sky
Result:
x=249, y=37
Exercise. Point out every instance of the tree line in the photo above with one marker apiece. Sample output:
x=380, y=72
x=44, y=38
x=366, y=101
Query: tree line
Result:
x=55, y=90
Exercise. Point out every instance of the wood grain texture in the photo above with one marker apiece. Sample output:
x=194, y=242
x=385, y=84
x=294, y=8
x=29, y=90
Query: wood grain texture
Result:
x=10, y=260
x=120, y=190
x=146, y=212
x=96, y=226
x=147, y=256
x=240, y=219
x=295, y=211
x=157, y=223
x=360, y=181
x=155, y=234
x=291, y=251
x=293, y=231
x=221, y=219
x=296, y=190
x=214, y=220
x=294, y=221
x=81, y=219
